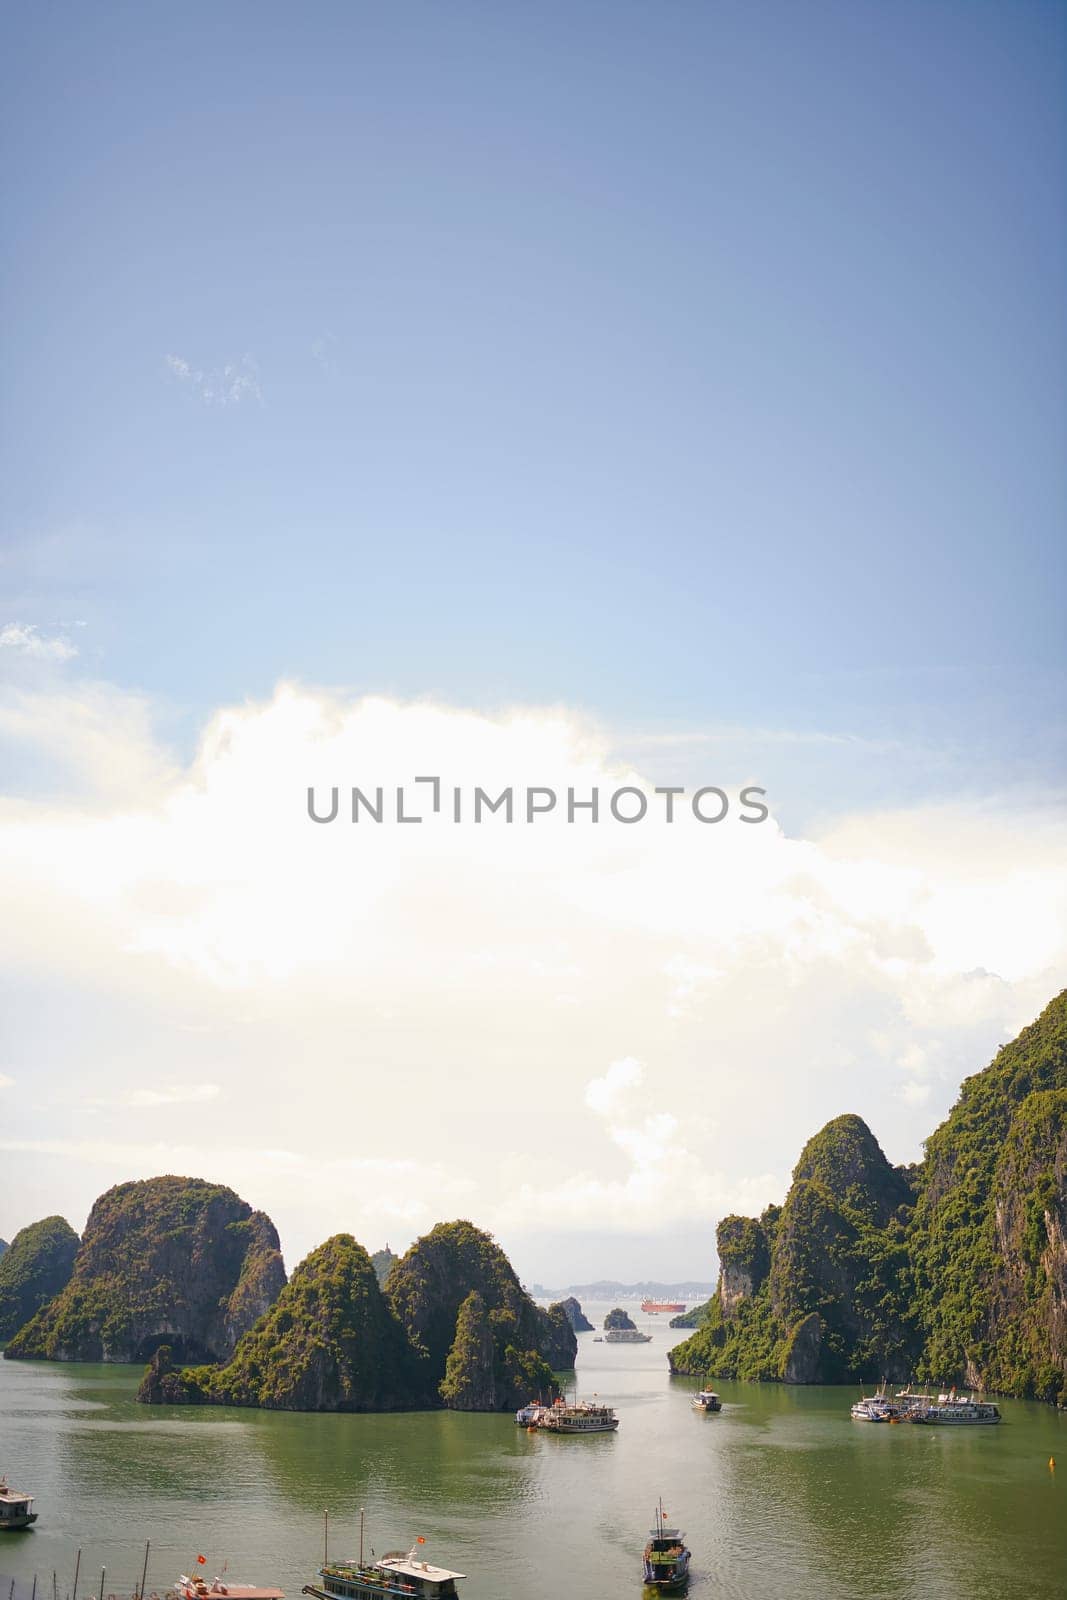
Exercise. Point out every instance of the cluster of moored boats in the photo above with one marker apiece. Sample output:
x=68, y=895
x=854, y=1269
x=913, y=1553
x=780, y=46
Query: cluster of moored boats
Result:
x=949, y=1409
x=577, y=1416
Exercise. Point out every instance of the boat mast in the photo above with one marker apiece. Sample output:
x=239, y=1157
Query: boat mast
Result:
x=361, y=1515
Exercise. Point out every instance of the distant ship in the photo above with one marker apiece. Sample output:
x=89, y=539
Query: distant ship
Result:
x=662, y=1305
x=626, y=1336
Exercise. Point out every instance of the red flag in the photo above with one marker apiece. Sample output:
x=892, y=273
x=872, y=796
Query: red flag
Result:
x=202, y=1560
x=420, y=1539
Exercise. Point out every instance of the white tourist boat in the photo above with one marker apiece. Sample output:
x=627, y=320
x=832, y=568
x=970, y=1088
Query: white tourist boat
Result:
x=952, y=1410
x=706, y=1400
x=873, y=1408
x=583, y=1416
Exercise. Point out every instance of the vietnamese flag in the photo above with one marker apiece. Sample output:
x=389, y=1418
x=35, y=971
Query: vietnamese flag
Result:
x=202, y=1560
x=420, y=1539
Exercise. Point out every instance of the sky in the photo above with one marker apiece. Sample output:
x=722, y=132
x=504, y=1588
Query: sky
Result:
x=571, y=395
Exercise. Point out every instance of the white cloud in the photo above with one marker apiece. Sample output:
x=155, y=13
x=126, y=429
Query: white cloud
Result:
x=175, y=1094
x=24, y=639
x=227, y=385
x=552, y=1027
x=607, y=1094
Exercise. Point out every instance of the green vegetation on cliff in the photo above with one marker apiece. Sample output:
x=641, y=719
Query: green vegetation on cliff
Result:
x=819, y=1289
x=988, y=1237
x=169, y=1260
x=485, y=1371
x=617, y=1319
x=693, y=1317
x=430, y=1283
x=330, y=1342
x=452, y=1326
x=33, y=1269
x=955, y=1270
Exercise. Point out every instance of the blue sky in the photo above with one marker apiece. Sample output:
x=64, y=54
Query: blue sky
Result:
x=697, y=369
x=701, y=365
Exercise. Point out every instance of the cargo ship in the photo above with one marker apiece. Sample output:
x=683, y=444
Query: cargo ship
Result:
x=662, y=1305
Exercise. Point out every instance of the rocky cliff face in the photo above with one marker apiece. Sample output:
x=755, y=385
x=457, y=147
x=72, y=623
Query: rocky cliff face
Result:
x=618, y=1318
x=453, y=1326
x=574, y=1314
x=817, y=1291
x=430, y=1283
x=987, y=1242
x=956, y=1270
x=485, y=1371
x=382, y=1262
x=169, y=1260
x=330, y=1342
x=33, y=1270
x=744, y=1260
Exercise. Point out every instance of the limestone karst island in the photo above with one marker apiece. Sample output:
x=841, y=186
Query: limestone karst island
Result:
x=952, y=1271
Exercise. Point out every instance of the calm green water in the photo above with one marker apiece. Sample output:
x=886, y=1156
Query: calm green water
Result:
x=782, y=1495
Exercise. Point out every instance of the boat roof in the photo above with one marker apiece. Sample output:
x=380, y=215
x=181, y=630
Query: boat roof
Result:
x=418, y=1569
x=666, y=1533
x=14, y=1494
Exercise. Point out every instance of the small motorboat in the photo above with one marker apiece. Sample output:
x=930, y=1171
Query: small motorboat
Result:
x=706, y=1400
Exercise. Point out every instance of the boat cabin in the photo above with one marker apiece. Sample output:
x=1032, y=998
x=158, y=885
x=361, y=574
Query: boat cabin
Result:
x=15, y=1508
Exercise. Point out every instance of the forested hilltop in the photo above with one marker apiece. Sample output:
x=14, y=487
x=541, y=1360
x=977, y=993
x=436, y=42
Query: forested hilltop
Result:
x=451, y=1326
x=954, y=1271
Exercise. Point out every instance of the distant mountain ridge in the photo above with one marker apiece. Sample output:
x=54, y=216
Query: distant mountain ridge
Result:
x=612, y=1289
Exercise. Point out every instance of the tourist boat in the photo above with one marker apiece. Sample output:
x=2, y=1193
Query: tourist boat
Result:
x=950, y=1410
x=15, y=1510
x=581, y=1417
x=662, y=1305
x=627, y=1336
x=873, y=1408
x=877, y=1408
x=706, y=1400
x=530, y=1416
x=402, y=1575
x=666, y=1563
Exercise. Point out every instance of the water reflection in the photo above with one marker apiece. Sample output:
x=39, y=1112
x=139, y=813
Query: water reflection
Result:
x=781, y=1494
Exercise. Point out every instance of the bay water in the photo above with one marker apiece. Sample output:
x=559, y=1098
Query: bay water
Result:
x=782, y=1495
